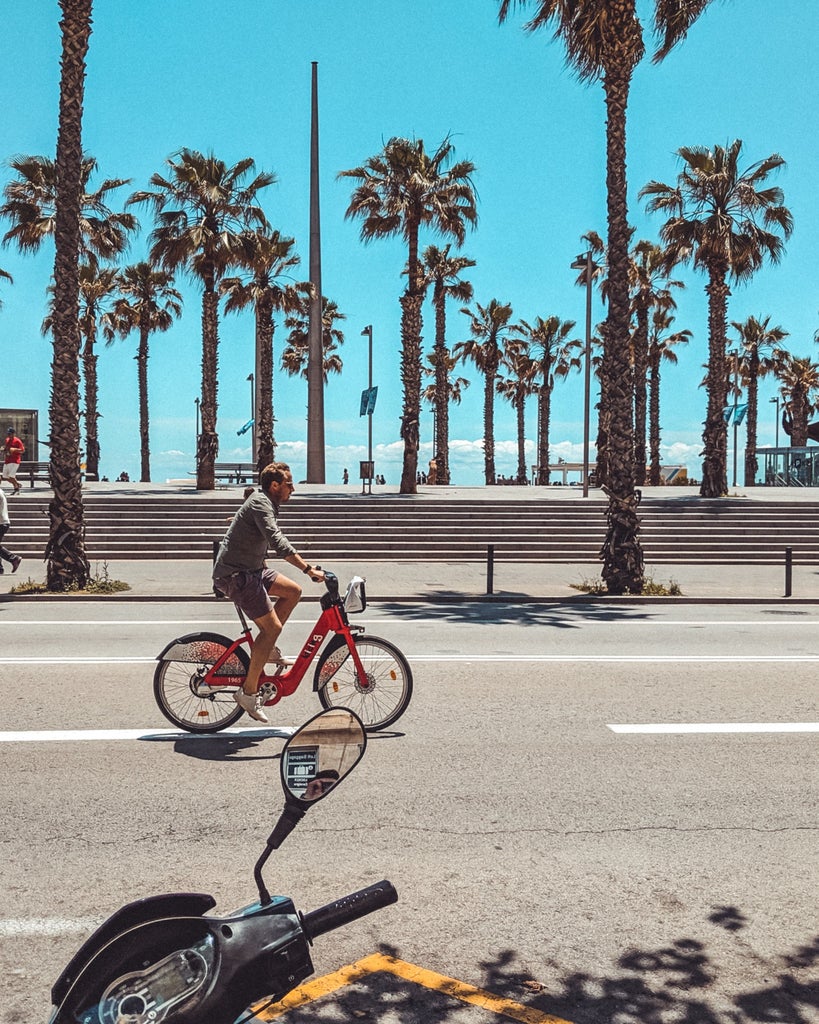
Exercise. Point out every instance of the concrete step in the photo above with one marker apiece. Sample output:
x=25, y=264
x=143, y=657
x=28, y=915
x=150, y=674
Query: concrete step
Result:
x=673, y=531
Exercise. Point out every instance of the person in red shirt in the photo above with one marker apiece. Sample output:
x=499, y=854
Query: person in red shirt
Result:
x=13, y=454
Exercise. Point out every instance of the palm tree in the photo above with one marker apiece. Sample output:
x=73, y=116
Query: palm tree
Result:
x=489, y=328
x=604, y=43
x=548, y=345
x=517, y=389
x=67, y=565
x=722, y=219
x=97, y=286
x=799, y=379
x=204, y=211
x=661, y=345
x=31, y=205
x=650, y=290
x=295, y=355
x=442, y=270
x=268, y=258
x=756, y=335
x=147, y=303
x=400, y=190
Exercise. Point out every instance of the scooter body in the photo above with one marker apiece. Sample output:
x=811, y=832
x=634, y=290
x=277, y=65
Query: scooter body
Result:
x=165, y=960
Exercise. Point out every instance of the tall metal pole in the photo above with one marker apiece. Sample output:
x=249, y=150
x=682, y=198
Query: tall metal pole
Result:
x=776, y=399
x=196, y=448
x=369, y=332
x=315, y=354
x=584, y=262
x=735, y=355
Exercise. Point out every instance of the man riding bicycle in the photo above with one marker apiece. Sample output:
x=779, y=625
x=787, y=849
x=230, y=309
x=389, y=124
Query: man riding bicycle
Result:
x=264, y=595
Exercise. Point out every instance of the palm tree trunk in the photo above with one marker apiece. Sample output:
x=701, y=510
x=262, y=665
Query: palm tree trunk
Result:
x=92, y=444
x=142, y=386
x=489, y=426
x=621, y=551
x=67, y=564
x=411, y=380
x=751, y=463
x=208, y=446
x=441, y=455
x=640, y=346
x=521, y=425
x=654, y=418
x=715, y=435
x=265, y=443
x=547, y=417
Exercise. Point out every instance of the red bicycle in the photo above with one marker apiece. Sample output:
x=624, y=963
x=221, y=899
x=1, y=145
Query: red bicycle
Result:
x=198, y=674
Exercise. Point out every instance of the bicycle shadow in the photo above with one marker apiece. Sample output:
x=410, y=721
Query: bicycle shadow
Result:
x=235, y=746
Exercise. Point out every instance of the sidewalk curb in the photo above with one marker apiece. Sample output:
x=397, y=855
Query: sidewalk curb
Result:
x=584, y=599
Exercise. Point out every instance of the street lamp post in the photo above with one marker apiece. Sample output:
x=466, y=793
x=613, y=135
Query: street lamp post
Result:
x=368, y=331
x=251, y=377
x=196, y=445
x=584, y=262
x=776, y=400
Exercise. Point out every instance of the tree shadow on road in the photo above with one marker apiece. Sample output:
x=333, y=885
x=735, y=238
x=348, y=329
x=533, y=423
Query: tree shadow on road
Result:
x=558, y=615
x=678, y=983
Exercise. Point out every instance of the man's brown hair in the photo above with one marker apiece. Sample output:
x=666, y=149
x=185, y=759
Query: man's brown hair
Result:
x=272, y=473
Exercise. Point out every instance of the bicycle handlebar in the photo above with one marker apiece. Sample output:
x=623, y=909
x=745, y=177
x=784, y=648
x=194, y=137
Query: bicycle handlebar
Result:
x=348, y=908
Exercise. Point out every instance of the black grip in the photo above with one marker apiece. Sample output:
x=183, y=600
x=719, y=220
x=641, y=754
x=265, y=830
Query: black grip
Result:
x=348, y=908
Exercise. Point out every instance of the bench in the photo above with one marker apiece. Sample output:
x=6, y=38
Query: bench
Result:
x=32, y=471
x=236, y=472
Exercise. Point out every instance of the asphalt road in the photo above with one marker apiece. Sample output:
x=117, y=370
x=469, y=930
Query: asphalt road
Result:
x=543, y=848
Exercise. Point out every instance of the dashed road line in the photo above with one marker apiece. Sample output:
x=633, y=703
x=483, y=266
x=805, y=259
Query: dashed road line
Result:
x=695, y=728
x=107, y=735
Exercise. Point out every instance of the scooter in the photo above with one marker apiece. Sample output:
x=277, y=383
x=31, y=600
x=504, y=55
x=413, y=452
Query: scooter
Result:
x=162, y=960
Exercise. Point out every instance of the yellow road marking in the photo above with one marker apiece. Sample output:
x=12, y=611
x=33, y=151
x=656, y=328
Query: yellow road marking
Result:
x=418, y=976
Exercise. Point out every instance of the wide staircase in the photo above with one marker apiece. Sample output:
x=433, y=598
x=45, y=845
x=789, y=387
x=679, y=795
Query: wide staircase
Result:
x=674, y=530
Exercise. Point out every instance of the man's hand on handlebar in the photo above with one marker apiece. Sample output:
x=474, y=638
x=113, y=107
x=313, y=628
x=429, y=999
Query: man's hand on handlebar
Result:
x=316, y=573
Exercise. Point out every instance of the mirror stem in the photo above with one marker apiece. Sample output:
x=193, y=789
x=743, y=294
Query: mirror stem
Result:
x=290, y=817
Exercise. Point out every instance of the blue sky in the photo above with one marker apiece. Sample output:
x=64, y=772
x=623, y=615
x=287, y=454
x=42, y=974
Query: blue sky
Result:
x=235, y=79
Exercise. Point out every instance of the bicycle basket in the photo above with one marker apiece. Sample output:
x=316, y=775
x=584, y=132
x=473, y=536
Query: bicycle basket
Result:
x=355, y=600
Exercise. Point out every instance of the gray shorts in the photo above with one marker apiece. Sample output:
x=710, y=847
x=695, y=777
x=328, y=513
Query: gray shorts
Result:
x=249, y=590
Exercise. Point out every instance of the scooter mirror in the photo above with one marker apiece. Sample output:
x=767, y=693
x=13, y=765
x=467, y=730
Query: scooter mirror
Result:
x=320, y=754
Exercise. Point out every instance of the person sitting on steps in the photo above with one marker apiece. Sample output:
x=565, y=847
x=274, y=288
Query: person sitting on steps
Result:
x=264, y=595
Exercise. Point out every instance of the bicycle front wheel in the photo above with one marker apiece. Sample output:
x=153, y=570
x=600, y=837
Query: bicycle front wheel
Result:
x=183, y=696
x=381, y=697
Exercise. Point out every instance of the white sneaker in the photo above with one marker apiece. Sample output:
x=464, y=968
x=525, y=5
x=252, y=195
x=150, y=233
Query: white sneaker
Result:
x=252, y=704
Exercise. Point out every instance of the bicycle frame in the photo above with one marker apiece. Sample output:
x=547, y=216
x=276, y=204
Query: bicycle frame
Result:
x=333, y=619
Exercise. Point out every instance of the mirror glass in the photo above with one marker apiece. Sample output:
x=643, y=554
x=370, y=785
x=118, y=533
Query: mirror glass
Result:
x=323, y=751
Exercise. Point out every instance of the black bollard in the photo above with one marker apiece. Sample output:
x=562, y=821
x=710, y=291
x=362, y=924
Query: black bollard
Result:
x=490, y=568
x=788, y=571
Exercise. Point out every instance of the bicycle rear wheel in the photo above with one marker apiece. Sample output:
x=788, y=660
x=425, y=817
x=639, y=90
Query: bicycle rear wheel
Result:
x=381, y=698
x=181, y=693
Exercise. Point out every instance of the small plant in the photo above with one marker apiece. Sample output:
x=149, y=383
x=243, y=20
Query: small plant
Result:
x=98, y=583
x=651, y=588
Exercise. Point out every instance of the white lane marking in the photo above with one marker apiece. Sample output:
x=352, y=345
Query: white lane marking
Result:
x=468, y=659
x=75, y=735
x=202, y=623
x=77, y=661
x=669, y=728
x=233, y=623
x=24, y=928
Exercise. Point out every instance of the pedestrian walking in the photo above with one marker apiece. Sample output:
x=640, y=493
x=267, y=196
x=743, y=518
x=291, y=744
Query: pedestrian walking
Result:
x=5, y=523
x=13, y=454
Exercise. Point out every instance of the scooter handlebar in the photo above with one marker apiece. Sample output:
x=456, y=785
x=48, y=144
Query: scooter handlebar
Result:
x=348, y=908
